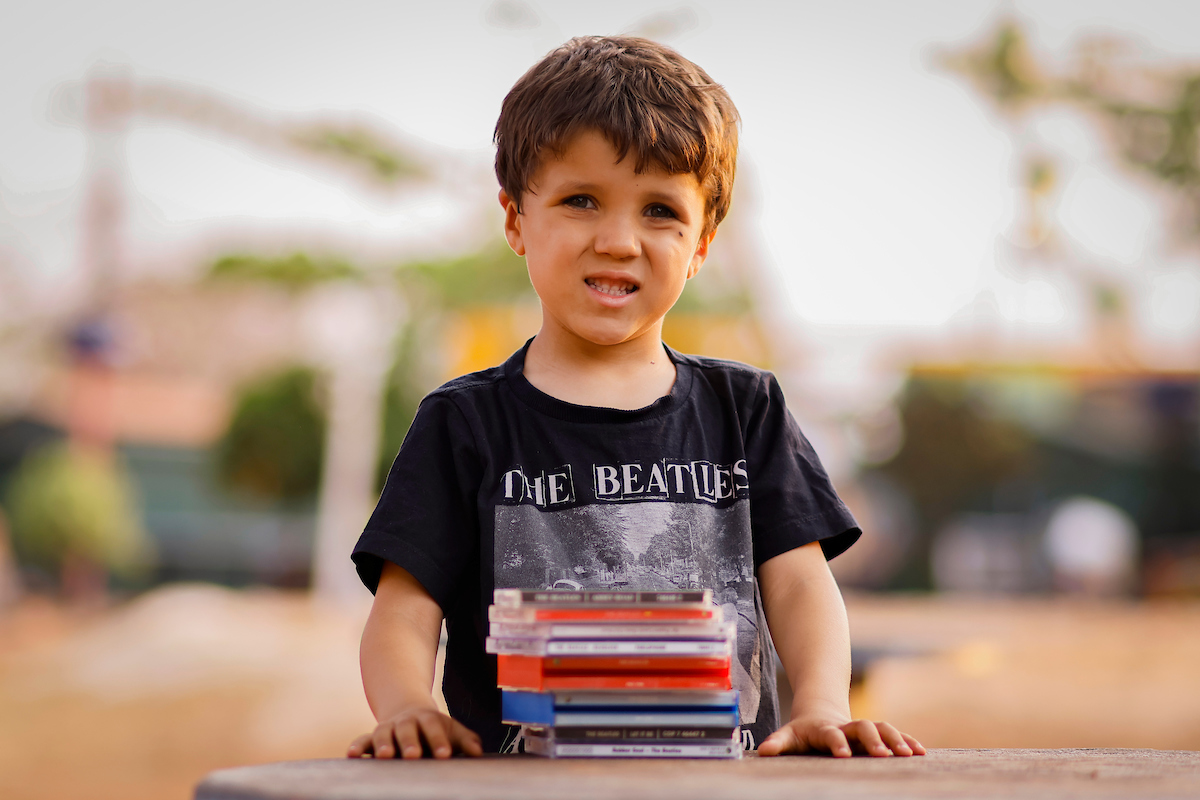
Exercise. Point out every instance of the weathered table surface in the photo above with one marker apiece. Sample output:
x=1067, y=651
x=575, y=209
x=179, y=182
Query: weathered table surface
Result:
x=1024, y=774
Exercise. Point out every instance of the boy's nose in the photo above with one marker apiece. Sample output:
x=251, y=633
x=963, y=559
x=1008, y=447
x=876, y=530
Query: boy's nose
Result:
x=617, y=237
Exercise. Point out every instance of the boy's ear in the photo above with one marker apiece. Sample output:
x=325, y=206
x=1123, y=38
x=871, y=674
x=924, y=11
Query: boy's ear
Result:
x=512, y=223
x=701, y=253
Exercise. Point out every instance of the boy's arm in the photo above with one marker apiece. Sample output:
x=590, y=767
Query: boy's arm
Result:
x=399, y=647
x=808, y=623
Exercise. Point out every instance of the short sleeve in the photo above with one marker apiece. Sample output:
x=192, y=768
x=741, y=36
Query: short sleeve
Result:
x=426, y=518
x=792, y=500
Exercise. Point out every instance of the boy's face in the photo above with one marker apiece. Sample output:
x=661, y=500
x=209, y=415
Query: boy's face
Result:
x=608, y=250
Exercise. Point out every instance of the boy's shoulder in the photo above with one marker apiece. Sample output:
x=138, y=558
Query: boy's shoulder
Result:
x=719, y=364
x=471, y=382
x=737, y=374
x=465, y=398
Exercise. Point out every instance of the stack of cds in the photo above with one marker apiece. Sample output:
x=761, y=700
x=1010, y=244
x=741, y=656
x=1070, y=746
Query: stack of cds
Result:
x=616, y=674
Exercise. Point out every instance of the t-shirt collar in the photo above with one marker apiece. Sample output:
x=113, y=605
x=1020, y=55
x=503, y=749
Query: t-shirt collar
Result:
x=514, y=373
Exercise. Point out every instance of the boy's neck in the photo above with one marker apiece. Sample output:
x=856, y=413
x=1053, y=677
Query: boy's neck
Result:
x=629, y=375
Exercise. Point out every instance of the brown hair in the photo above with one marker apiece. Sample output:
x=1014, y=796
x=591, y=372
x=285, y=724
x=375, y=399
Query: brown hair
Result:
x=643, y=96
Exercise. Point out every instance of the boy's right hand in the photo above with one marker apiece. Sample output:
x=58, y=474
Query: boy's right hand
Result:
x=412, y=733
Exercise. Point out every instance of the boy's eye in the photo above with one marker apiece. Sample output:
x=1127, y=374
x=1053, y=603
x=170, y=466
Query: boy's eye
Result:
x=660, y=211
x=578, y=201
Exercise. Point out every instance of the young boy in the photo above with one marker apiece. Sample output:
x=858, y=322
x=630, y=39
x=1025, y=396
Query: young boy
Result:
x=595, y=453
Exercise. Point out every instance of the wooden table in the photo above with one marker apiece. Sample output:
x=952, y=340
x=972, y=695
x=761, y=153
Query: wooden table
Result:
x=1023, y=774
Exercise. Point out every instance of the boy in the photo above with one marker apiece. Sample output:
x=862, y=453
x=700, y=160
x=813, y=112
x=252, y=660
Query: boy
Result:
x=595, y=454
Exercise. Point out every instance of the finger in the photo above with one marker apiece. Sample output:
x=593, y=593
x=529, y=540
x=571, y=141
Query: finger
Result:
x=466, y=739
x=382, y=743
x=864, y=732
x=433, y=730
x=893, y=739
x=833, y=739
x=781, y=741
x=917, y=747
x=359, y=747
x=408, y=738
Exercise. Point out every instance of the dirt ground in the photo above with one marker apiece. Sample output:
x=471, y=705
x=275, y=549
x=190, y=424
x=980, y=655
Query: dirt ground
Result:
x=1032, y=673
x=141, y=700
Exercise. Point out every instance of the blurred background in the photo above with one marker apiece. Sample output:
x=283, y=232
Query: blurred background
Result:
x=240, y=241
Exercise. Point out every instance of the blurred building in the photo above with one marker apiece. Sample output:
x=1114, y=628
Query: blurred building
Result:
x=1027, y=464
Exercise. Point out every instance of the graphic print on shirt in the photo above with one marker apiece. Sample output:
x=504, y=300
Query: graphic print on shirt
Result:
x=658, y=526
x=665, y=479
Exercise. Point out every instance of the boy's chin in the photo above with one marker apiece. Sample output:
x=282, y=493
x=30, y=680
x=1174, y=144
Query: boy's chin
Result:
x=612, y=339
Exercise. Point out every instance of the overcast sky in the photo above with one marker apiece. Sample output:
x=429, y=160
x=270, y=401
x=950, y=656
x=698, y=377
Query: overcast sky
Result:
x=882, y=184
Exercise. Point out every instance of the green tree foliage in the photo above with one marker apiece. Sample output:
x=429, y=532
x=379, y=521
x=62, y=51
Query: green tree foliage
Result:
x=401, y=396
x=358, y=145
x=1148, y=114
x=296, y=271
x=1000, y=66
x=714, y=291
x=492, y=276
x=275, y=442
x=67, y=503
x=954, y=450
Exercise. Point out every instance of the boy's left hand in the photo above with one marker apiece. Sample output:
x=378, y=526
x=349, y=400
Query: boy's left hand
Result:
x=840, y=739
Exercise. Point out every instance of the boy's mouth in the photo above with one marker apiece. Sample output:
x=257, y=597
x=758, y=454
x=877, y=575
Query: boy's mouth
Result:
x=610, y=287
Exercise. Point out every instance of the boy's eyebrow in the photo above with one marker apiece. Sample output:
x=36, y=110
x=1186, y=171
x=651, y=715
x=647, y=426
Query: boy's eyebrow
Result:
x=672, y=198
x=584, y=187
x=576, y=186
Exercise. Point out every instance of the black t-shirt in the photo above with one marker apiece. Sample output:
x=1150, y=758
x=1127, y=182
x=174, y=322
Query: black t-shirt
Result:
x=498, y=484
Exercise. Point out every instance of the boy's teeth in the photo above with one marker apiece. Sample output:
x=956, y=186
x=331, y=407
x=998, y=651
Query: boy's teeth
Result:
x=614, y=289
